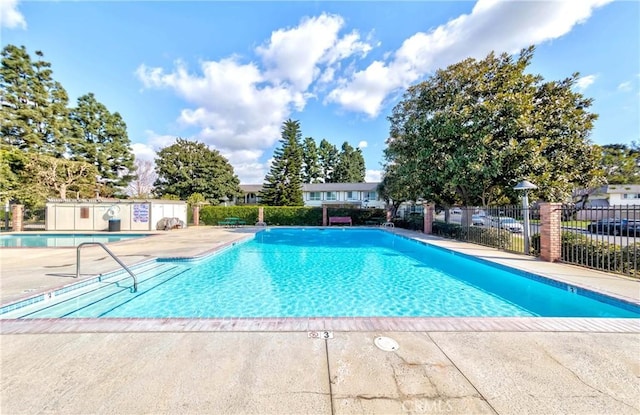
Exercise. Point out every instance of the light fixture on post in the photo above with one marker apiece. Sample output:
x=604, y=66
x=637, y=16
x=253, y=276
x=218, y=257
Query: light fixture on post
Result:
x=224, y=200
x=365, y=203
x=525, y=186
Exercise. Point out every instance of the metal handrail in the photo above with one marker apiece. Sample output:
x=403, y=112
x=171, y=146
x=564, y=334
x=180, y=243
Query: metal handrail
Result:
x=135, y=280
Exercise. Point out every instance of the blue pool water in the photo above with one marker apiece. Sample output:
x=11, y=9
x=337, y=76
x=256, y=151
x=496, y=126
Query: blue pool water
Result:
x=329, y=273
x=35, y=240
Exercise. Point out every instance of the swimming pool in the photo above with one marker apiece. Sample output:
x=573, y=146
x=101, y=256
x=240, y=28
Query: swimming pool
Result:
x=49, y=240
x=327, y=273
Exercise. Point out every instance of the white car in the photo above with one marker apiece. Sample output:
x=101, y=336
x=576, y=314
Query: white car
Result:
x=509, y=224
x=478, y=220
x=456, y=211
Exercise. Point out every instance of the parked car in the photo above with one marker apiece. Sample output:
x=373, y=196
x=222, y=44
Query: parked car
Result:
x=456, y=211
x=478, y=220
x=607, y=226
x=631, y=228
x=507, y=223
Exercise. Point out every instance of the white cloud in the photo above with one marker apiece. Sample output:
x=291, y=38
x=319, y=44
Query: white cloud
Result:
x=10, y=16
x=373, y=176
x=363, y=144
x=584, y=82
x=625, y=86
x=502, y=26
x=240, y=106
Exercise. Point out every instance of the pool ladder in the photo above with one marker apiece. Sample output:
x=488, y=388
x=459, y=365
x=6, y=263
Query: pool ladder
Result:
x=122, y=264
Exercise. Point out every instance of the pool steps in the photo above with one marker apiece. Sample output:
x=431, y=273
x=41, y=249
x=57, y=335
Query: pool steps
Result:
x=105, y=294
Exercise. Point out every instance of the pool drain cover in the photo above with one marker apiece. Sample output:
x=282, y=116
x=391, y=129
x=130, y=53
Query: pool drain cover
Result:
x=386, y=343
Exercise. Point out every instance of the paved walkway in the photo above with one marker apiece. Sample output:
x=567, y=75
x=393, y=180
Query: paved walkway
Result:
x=504, y=366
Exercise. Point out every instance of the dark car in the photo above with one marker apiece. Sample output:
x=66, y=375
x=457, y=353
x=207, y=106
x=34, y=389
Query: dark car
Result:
x=630, y=228
x=607, y=226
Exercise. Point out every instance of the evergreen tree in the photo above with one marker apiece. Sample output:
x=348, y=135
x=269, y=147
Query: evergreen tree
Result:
x=100, y=138
x=188, y=167
x=283, y=183
x=621, y=163
x=350, y=167
x=34, y=113
x=310, y=164
x=478, y=127
x=328, y=159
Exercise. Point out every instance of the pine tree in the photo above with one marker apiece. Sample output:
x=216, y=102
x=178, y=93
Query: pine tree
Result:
x=328, y=159
x=310, y=164
x=100, y=138
x=283, y=183
x=34, y=113
x=350, y=167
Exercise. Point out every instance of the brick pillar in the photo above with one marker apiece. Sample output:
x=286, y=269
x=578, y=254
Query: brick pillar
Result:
x=550, y=231
x=196, y=215
x=324, y=216
x=389, y=216
x=428, y=217
x=260, y=214
x=17, y=218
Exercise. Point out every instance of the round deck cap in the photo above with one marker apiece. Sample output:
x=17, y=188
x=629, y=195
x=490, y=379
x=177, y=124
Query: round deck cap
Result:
x=386, y=343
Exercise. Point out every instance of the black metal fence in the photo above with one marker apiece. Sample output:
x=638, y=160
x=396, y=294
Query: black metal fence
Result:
x=603, y=238
x=502, y=227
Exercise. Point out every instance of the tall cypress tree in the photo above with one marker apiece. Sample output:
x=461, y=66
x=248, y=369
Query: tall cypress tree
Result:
x=283, y=183
x=33, y=107
x=100, y=138
x=350, y=167
x=328, y=159
x=310, y=165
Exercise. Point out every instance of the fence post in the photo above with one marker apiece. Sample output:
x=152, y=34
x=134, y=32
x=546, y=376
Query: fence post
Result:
x=17, y=218
x=324, y=216
x=260, y=214
x=196, y=214
x=550, y=231
x=428, y=218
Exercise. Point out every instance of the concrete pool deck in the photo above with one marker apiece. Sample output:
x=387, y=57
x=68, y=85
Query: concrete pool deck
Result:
x=505, y=366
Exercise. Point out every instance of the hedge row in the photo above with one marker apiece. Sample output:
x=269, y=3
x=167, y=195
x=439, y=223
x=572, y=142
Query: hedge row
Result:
x=287, y=215
x=478, y=235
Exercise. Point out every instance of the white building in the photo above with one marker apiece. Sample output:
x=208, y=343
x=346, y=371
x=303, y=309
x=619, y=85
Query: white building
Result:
x=327, y=194
x=611, y=195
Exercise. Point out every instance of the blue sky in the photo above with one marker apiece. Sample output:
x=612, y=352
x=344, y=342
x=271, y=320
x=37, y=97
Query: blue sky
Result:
x=229, y=73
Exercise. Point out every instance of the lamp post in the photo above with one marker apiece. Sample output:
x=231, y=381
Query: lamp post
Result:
x=525, y=186
x=224, y=200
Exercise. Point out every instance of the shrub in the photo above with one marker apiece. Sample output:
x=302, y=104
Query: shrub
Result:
x=293, y=216
x=211, y=215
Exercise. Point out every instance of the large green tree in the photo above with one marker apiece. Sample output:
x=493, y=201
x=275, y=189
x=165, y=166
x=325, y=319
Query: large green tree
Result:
x=283, y=184
x=350, y=167
x=328, y=157
x=189, y=167
x=33, y=106
x=100, y=138
x=56, y=177
x=310, y=162
x=476, y=128
x=621, y=163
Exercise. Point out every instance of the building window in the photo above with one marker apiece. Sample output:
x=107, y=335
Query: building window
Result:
x=331, y=196
x=84, y=213
x=352, y=195
x=630, y=196
x=371, y=195
x=315, y=196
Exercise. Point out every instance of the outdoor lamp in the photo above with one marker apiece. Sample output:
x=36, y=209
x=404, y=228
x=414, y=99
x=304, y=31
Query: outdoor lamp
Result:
x=525, y=186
